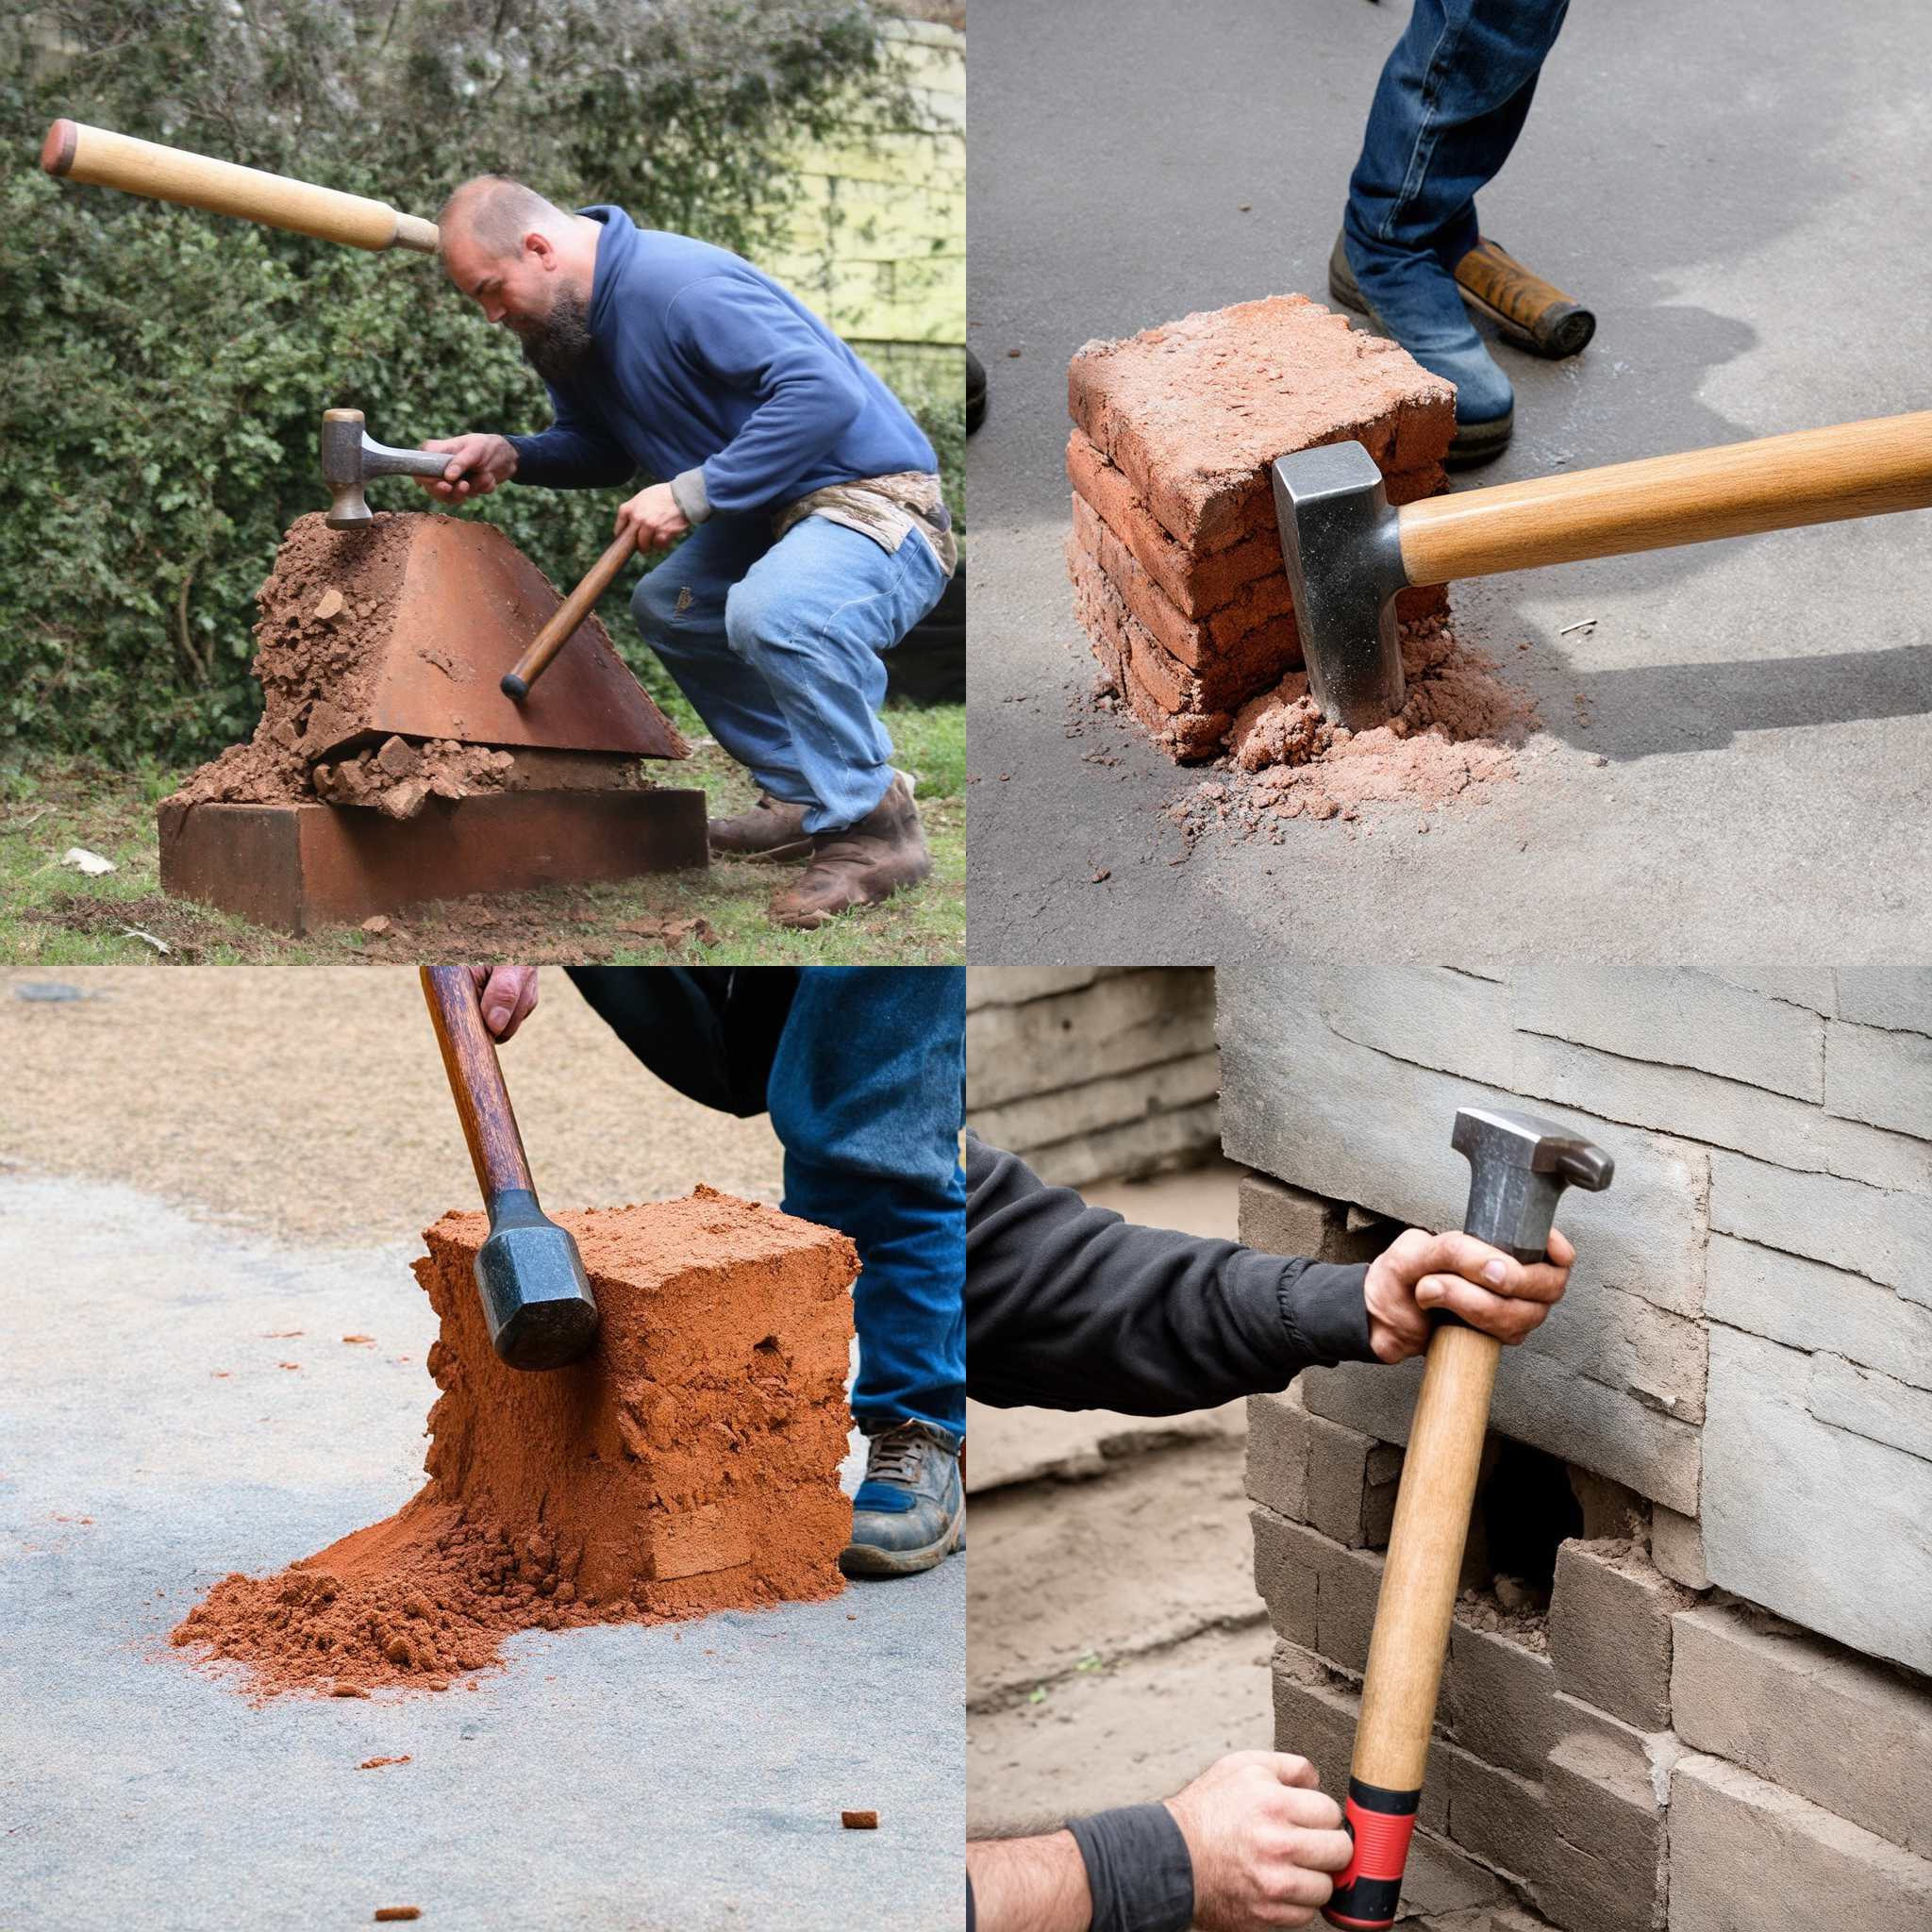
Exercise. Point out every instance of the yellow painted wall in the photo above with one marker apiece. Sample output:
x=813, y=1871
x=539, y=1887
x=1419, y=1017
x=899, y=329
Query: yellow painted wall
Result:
x=875, y=240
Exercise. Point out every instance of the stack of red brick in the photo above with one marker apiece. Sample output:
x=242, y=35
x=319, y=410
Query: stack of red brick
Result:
x=1175, y=554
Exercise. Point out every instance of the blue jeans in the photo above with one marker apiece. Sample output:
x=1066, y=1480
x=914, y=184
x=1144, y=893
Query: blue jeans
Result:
x=778, y=647
x=1452, y=100
x=863, y=1069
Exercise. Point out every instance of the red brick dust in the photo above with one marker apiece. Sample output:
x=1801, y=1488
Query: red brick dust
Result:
x=689, y=1464
x=327, y=609
x=1457, y=736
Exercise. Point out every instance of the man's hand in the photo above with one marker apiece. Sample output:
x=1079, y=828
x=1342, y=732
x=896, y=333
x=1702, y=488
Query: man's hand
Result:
x=654, y=515
x=507, y=995
x=1264, y=1841
x=482, y=461
x=1418, y=1272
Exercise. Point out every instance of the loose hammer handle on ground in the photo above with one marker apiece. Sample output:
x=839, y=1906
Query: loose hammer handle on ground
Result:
x=170, y=173
x=536, y=1298
x=569, y=613
x=1518, y=1165
x=1528, y=311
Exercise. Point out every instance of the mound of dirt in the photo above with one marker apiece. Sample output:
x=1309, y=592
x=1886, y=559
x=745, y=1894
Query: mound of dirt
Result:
x=327, y=608
x=689, y=1463
x=1457, y=733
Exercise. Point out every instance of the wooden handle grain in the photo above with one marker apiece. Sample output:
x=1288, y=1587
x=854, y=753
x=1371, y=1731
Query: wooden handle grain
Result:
x=475, y=1080
x=569, y=613
x=167, y=173
x=1776, y=483
x=1419, y=1575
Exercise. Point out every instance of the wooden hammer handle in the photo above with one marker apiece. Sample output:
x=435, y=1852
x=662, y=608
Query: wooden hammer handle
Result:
x=1776, y=483
x=475, y=1080
x=569, y=613
x=1419, y=1575
x=170, y=173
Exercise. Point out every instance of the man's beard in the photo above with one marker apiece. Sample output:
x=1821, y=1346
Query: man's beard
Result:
x=557, y=346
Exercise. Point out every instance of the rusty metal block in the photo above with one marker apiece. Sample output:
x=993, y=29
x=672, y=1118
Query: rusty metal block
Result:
x=470, y=603
x=296, y=867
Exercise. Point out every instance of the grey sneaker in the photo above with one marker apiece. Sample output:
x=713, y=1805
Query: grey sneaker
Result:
x=910, y=1510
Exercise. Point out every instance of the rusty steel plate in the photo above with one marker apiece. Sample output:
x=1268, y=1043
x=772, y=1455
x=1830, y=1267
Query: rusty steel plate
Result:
x=471, y=603
x=296, y=867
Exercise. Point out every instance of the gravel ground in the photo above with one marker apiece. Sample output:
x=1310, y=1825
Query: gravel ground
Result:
x=309, y=1103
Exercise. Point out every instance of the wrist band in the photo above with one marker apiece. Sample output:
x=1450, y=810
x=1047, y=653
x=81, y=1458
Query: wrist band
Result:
x=1138, y=1873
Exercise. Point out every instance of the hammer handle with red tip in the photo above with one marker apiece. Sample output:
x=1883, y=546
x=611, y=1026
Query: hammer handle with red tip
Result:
x=80, y=153
x=476, y=1082
x=569, y=613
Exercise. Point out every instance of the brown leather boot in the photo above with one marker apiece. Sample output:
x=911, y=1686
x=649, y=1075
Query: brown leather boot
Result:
x=769, y=830
x=858, y=865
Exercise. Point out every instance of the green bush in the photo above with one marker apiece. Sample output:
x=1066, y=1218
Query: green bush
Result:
x=166, y=370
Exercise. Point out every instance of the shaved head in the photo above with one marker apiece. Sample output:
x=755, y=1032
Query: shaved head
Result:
x=494, y=214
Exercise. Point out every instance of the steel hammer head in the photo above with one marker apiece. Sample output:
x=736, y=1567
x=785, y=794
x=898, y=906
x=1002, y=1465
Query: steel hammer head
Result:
x=536, y=1296
x=1341, y=543
x=1518, y=1167
x=350, y=457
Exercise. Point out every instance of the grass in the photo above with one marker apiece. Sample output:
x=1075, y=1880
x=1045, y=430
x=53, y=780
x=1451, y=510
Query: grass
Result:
x=54, y=915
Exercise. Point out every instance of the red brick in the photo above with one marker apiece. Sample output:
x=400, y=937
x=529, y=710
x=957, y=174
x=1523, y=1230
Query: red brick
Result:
x=1192, y=413
x=1197, y=582
x=1218, y=687
x=1257, y=628
x=1118, y=637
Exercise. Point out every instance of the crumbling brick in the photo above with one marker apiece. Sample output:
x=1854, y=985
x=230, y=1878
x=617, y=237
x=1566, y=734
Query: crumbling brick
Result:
x=1676, y=1547
x=1499, y=1698
x=1352, y=1484
x=1607, y=1785
x=1175, y=543
x=1745, y=1853
x=1499, y=1816
x=1319, y=1594
x=1193, y=412
x=1279, y=1454
x=1824, y=1723
x=1611, y=1630
x=1282, y=1220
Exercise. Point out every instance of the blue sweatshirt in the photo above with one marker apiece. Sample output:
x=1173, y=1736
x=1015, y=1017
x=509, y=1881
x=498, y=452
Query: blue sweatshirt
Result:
x=713, y=378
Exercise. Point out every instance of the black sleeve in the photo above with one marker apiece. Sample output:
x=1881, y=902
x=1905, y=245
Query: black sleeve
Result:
x=1139, y=1872
x=1068, y=1307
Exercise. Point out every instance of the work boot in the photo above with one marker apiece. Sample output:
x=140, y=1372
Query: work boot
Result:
x=858, y=865
x=1422, y=308
x=769, y=830
x=910, y=1510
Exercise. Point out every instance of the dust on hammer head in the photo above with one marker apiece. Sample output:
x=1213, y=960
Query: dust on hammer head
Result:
x=1518, y=1167
x=535, y=1295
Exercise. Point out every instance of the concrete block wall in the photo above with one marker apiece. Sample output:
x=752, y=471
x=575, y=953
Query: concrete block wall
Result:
x=1093, y=1072
x=1713, y=1714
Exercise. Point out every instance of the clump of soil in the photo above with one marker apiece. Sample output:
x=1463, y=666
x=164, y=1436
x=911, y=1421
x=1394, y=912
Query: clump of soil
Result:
x=1457, y=733
x=689, y=1463
x=1526, y=1619
x=314, y=654
x=326, y=608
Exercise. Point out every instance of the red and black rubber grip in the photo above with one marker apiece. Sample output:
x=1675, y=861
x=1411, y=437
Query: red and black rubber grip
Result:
x=1380, y=1823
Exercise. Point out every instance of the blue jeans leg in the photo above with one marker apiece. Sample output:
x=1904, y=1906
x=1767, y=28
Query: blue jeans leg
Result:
x=867, y=1093
x=1451, y=102
x=679, y=607
x=813, y=618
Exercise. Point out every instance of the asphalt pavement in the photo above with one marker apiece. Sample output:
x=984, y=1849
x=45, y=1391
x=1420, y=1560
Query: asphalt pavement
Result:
x=680, y=1779
x=1733, y=769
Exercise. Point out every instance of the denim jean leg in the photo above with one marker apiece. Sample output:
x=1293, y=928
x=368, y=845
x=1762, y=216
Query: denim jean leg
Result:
x=813, y=616
x=1451, y=102
x=679, y=607
x=867, y=1094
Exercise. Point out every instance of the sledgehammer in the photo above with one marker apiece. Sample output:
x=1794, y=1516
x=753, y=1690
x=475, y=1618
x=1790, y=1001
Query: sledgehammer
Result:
x=1348, y=553
x=1518, y=1167
x=536, y=1296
